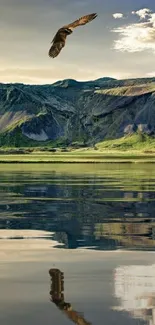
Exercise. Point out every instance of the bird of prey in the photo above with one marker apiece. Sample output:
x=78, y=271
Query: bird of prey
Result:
x=59, y=39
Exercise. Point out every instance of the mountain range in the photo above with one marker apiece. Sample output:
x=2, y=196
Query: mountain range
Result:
x=70, y=111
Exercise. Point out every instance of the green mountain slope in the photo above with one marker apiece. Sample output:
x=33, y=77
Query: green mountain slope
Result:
x=70, y=111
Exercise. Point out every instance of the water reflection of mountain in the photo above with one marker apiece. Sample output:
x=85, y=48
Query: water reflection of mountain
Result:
x=85, y=212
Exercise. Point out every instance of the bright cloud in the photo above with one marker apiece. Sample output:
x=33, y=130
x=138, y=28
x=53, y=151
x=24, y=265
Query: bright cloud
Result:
x=118, y=15
x=150, y=74
x=138, y=36
x=142, y=13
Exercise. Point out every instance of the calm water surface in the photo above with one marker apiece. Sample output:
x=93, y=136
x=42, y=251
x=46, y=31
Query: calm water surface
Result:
x=96, y=225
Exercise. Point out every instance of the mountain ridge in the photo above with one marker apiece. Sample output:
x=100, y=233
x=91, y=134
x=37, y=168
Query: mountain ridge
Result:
x=70, y=111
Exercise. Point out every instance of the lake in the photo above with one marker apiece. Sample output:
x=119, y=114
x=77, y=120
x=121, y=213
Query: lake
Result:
x=94, y=226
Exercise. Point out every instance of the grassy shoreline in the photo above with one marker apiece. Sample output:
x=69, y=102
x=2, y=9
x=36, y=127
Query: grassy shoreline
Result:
x=136, y=148
x=88, y=157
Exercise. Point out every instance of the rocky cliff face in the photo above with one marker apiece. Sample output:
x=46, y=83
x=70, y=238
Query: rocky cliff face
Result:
x=78, y=111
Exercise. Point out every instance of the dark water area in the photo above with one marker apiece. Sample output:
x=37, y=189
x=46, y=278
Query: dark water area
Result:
x=104, y=207
x=77, y=244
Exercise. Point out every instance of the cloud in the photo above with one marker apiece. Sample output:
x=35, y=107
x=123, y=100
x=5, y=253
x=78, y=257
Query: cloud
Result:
x=138, y=36
x=118, y=15
x=150, y=74
x=142, y=13
x=35, y=75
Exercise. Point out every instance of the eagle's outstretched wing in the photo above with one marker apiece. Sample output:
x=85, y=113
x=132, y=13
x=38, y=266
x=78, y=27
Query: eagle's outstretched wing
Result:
x=58, y=43
x=59, y=39
x=81, y=21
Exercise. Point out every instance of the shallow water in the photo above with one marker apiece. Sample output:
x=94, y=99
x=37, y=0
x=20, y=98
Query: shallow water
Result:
x=95, y=223
x=101, y=206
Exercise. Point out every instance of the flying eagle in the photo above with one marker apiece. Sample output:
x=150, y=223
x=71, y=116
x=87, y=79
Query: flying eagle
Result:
x=61, y=35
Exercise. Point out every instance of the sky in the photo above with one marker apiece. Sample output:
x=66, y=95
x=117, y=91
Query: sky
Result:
x=119, y=43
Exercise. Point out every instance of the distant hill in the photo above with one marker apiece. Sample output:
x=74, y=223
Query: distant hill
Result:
x=76, y=111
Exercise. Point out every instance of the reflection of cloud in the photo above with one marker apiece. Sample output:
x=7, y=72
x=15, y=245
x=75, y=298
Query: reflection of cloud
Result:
x=135, y=287
x=118, y=15
x=11, y=233
x=29, y=240
x=138, y=36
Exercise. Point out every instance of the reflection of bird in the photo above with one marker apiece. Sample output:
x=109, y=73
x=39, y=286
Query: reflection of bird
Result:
x=60, y=37
x=57, y=297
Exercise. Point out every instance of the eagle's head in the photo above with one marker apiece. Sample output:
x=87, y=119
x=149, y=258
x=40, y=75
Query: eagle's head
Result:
x=68, y=31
